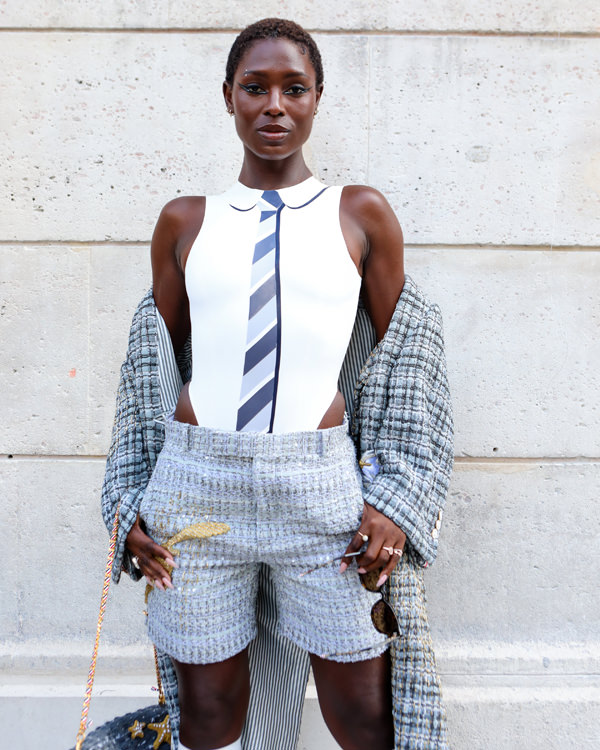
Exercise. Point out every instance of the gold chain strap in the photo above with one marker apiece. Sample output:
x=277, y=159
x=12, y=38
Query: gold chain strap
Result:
x=104, y=597
x=198, y=531
x=161, y=695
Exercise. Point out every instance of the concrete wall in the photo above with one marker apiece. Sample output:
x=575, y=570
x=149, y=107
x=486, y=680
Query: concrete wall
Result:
x=479, y=121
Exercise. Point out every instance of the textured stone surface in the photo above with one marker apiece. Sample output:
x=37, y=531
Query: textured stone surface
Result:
x=481, y=718
x=520, y=335
x=103, y=129
x=536, y=718
x=59, y=380
x=57, y=558
x=488, y=140
x=479, y=139
x=531, y=15
x=474, y=139
x=44, y=325
x=517, y=564
x=518, y=559
x=522, y=346
x=519, y=552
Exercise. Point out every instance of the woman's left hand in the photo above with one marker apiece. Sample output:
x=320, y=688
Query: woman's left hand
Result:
x=385, y=544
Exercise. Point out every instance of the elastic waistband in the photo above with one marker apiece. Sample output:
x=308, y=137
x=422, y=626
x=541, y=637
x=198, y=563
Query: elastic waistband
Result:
x=251, y=444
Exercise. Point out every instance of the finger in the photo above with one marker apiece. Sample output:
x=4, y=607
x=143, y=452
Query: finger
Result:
x=356, y=543
x=373, y=557
x=161, y=552
x=140, y=544
x=153, y=569
x=383, y=557
x=151, y=561
x=160, y=583
x=152, y=552
x=387, y=569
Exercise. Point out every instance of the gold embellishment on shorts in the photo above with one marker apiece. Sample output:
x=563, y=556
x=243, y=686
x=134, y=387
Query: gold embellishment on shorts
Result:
x=202, y=530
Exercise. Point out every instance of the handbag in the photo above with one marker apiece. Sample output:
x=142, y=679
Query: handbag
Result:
x=145, y=729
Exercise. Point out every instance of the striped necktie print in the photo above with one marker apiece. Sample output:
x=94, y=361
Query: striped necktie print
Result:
x=256, y=409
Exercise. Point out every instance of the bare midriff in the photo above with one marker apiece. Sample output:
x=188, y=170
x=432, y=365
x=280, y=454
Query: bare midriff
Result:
x=333, y=417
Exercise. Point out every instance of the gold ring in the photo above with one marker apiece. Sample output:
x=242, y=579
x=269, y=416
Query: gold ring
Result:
x=364, y=537
x=398, y=551
x=389, y=550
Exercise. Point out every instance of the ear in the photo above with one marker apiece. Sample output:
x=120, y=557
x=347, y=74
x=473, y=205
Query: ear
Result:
x=228, y=96
x=319, y=94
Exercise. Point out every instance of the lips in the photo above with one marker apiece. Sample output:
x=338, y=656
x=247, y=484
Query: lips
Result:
x=273, y=129
x=274, y=134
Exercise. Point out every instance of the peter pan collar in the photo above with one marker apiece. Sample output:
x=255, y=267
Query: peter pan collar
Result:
x=244, y=198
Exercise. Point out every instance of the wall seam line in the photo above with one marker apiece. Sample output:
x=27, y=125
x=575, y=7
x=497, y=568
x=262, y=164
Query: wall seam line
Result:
x=458, y=461
x=550, y=248
x=484, y=33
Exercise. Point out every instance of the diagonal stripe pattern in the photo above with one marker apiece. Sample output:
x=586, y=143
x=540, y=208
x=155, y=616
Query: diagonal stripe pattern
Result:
x=259, y=380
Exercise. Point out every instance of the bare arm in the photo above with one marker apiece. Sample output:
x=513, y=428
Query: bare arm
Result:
x=176, y=229
x=375, y=242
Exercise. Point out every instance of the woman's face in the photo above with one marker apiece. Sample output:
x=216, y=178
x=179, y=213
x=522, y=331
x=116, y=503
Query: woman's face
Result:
x=273, y=97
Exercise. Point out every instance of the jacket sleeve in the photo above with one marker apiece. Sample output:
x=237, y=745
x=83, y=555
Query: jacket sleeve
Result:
x=415, y=442
x=127, y=472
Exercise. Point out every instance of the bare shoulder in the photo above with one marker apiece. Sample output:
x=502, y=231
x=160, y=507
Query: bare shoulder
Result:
x=367, y=213
x=366, y=204
x=178, y=213
x=177, y=227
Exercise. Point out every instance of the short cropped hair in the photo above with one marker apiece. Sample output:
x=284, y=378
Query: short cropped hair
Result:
x=273, y=28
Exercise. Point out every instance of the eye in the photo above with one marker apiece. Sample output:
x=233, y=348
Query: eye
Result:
x=252, y=88
x=297, y=89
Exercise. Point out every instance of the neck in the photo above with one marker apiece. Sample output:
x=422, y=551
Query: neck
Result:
x=273, y=174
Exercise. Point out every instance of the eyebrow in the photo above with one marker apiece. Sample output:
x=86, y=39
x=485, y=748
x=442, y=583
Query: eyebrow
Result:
x=289, y=74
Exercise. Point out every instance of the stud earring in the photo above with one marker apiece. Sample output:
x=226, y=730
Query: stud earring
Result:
x=229, y=112
x=316, y=112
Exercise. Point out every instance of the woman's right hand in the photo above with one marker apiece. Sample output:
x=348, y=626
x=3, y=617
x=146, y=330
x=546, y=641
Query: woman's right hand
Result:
x=146, y=551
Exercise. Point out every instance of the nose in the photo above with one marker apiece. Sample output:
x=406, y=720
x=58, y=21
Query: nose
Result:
x=275, y=102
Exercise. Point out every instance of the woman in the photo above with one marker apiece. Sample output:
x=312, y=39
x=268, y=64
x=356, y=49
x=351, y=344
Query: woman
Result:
x=267, y=278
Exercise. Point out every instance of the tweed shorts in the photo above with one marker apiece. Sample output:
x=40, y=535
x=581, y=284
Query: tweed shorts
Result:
x=292, y=501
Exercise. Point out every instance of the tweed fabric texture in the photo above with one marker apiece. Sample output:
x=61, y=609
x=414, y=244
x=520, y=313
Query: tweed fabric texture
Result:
x=136, y=435
x=290, y=499
x=282, y=674
x=402, y=411
x=419, y=714
x=278, y=679
x=137, y=438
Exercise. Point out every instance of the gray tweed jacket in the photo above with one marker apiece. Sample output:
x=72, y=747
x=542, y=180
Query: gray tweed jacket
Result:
x=398, y=398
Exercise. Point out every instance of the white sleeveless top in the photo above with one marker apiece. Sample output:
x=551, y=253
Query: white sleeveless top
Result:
x=319, y=288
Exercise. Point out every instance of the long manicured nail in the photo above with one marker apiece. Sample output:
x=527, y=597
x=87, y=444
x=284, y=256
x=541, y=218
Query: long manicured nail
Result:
x=343, y=567
x=382, y=579
x=159, y=585
x=362, y=570
x=168, y=583
x=172, y=563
